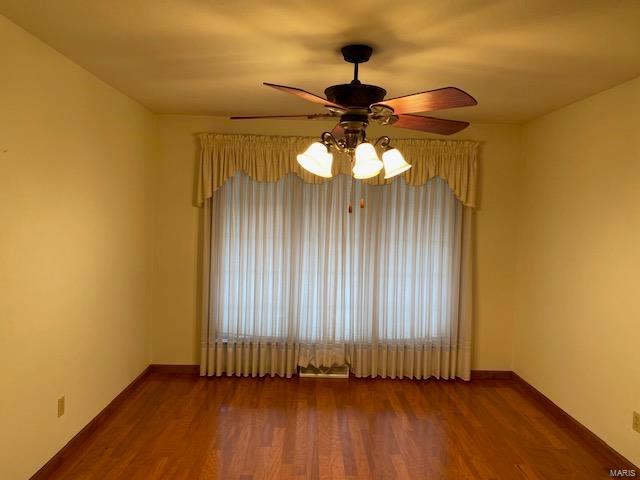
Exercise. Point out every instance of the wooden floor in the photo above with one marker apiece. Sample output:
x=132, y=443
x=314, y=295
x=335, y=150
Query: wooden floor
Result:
x=186, y=427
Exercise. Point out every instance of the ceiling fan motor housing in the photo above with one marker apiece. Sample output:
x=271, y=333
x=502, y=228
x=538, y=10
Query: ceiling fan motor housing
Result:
x=353, y=95
x=357, y=98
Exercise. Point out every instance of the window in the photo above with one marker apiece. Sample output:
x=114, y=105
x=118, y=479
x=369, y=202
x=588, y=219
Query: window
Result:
x=290, y=264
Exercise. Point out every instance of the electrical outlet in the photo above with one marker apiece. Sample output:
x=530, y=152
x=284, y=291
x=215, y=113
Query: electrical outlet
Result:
x=60, y=406
x=636, y=421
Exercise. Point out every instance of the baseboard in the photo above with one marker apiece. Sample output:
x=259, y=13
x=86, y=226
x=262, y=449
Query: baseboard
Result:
x=175, y=369
x=491, y=374
x=563, y=418
x=195, y=370
x=81, y=437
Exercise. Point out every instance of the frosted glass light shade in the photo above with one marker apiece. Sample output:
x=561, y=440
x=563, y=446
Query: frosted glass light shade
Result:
x=367, y=162
x=394, y=163
x=317, y=160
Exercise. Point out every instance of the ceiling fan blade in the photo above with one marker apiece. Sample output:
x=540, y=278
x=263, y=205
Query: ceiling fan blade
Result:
x=303, y=94
x=430, y=124
x=310, y=116
x=448, y=97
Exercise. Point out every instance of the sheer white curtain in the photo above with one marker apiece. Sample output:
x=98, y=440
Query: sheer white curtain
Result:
x=294, y=279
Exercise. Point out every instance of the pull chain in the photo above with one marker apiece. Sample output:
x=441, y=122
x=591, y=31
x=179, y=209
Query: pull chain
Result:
x=352, y=193
x=350, y=209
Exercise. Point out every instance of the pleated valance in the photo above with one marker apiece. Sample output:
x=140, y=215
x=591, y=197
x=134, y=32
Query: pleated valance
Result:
x=269, y=158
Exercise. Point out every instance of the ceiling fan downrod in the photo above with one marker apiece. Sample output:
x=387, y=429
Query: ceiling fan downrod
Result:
x=356, y=54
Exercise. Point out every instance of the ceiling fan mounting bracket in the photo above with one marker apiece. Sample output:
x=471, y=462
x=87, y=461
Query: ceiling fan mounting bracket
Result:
x=382, y=114
x=356, y=53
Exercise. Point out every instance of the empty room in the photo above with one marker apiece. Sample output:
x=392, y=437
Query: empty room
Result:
x=308, y=240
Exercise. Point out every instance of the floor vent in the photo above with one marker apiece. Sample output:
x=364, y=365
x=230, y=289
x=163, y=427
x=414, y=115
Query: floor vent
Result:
x=340, y=371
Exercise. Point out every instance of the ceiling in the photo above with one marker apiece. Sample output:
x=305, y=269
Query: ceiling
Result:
x=519, y=58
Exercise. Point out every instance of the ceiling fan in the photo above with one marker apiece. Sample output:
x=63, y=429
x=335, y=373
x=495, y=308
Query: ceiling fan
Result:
x=356, y=105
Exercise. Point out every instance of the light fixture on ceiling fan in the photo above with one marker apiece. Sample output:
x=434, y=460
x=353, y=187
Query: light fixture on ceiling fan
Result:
x=358, y=104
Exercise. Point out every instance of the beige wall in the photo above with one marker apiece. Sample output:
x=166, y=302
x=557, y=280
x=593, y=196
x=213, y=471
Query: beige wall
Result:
x=74, y=257
x=175, y=327
x=578, y=315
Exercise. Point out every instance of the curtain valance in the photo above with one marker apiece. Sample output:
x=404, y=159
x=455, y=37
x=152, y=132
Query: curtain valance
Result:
x=269, y=158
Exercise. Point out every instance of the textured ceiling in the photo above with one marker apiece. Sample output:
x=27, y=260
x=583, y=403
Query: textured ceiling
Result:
x=519, y=58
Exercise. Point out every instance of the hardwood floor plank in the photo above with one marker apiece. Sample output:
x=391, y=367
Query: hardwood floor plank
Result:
x=187, y=427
